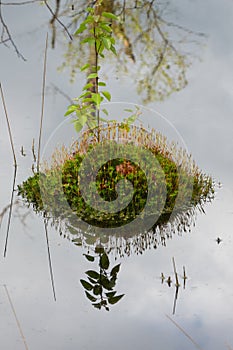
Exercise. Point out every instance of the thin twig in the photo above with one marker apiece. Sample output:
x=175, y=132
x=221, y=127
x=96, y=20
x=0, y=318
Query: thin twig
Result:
x=16, y=318
x=7, y=31
x=20, y=3
x=55, y=17
x=42, y=103
x=49, y=257
x=10, y=211
x=184, y=332
x=8, y=125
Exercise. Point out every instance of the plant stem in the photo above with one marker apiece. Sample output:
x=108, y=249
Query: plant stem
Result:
x=96, y=85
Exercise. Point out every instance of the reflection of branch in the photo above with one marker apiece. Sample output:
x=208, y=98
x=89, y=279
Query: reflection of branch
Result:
x=10, y=211
x=19, y=3
x=49, y=257
x=56, y=89
x=16, y=318
x=5, y=30
x=184, y=332
x=3, y=212
x=55, y=18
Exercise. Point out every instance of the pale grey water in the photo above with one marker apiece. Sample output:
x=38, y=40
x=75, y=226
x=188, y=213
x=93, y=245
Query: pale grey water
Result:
x=202, y=114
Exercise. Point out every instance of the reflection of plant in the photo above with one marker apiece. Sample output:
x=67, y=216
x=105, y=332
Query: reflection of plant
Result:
x=99, y=288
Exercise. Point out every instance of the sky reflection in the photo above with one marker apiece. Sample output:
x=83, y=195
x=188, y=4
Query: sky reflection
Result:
x=202, y=113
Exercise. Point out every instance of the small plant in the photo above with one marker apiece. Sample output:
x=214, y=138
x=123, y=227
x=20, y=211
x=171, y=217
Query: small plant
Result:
x=98, y=29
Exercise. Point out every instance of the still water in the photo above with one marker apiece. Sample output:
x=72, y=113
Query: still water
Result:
x=151, y=314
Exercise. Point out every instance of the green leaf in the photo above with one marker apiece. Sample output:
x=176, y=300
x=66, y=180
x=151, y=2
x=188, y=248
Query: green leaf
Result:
x=107, y=95
x=101, y=83
x=109, y=15
x=90, y=297
x=89, y=257
x=92, y=274
x=92, y=76
x=106, y=27
x=87, y=65
x=87, y=99
x=86, y=285
x=81, y=29
x=115, y=270
x=78, y=126
x=71, y=109
x=131, y=119
x=107, y=43
x=88, y=40
x=113, y=50
x=128, y=110
x=96, y=99
x=114, y=300
x=85, y=93
x=88, y=86
x=104, y=261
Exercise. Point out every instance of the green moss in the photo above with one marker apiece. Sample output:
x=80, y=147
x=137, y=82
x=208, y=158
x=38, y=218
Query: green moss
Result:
x=60, y=185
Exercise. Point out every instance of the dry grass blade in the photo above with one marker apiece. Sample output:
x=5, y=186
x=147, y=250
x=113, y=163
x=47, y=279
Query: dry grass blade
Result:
x=185, y=333
x=8, y=125
x=10, y=212
x=49, y=257
x=16, y=318
x=15, y=171
x=42, y=103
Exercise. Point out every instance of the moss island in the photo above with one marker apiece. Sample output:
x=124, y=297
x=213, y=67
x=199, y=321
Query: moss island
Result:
x=55, y=190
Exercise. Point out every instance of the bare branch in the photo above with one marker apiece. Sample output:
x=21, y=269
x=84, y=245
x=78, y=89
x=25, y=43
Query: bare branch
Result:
x=55, y=18
x=9, y=37
x=20, y=3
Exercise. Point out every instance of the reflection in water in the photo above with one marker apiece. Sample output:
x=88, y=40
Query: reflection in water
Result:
x=129, y=244
x=100, y=284
x=166, y=186
x=176, y=284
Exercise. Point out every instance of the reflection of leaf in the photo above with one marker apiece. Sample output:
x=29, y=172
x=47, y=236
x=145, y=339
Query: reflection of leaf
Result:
x=97, y=289
x=99, y=250
x=106, y=283
x=104, y=261
x=110, y=294
x=97, y=305
x=92, y=274
x=114, y=300
x=115, y=270
x=91, y=280
x=86, y=285
x=90, y=297
x=89, y=257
